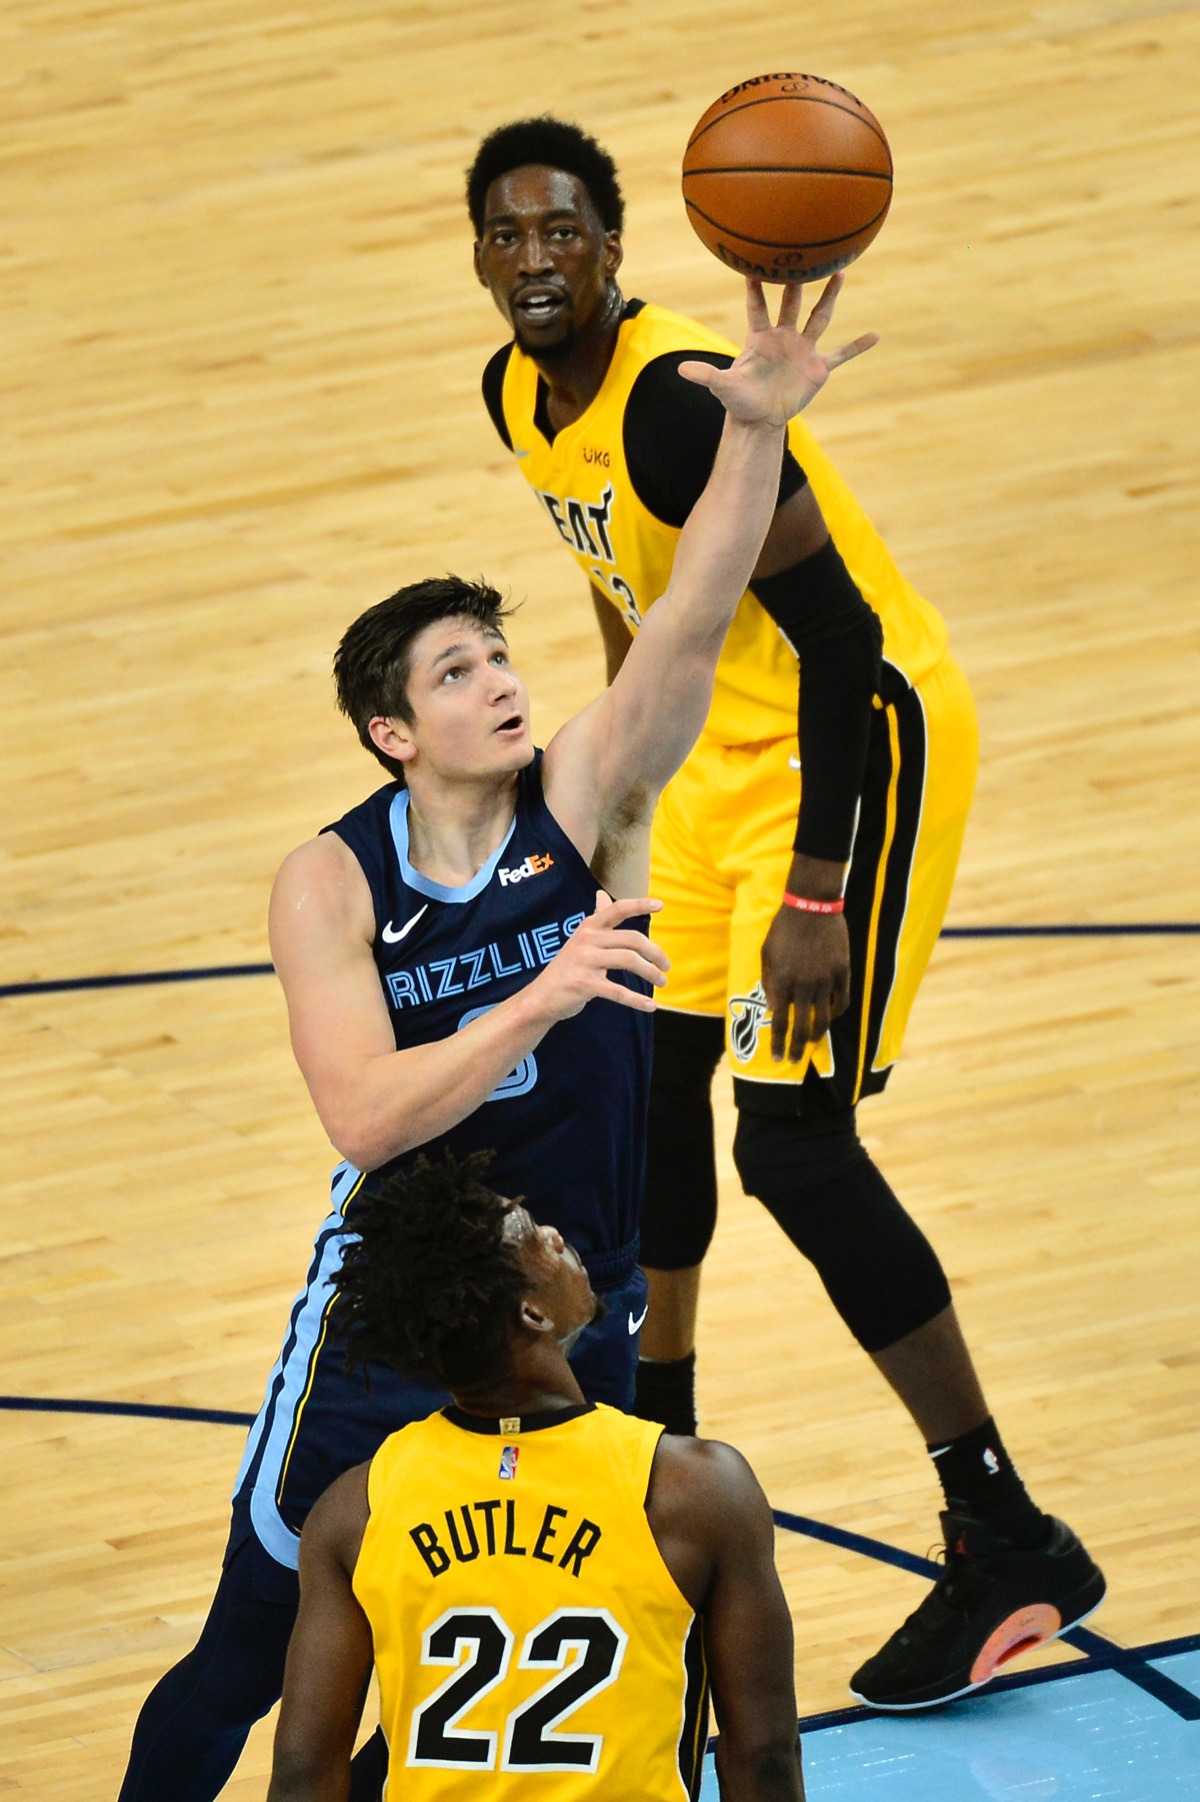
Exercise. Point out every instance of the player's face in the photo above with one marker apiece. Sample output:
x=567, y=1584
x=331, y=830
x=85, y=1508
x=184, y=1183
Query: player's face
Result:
x=545, y=258
x=561, y=1284
x=471, y=708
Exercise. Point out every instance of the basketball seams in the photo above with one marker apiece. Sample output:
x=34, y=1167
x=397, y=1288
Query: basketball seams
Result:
x=802, y=99
x=788, y=169
x=772, y=244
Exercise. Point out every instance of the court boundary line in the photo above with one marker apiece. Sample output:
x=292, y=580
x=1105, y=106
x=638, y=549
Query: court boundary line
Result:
x=1132, y=1663
x=62, y=985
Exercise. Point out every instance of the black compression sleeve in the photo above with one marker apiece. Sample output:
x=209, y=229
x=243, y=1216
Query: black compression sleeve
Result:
x=839, y=641
x=671, y=433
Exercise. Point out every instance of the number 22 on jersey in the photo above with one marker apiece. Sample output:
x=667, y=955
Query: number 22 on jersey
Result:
x=586, y=1646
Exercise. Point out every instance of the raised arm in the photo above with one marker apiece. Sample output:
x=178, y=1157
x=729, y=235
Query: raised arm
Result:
x=373, y=1100
x=633, y=738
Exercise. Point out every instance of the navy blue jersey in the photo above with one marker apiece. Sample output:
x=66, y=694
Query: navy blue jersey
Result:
x=568, y=1124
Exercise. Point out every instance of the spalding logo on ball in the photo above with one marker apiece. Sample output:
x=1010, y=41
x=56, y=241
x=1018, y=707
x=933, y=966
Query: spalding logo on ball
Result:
x=787, y=177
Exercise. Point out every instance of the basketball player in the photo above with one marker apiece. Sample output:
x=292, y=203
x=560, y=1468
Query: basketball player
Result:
x=805, y=854
x=453, y=978
x=584, y=1576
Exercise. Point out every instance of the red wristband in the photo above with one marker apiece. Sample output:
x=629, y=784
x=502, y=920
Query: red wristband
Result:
x=814, y=907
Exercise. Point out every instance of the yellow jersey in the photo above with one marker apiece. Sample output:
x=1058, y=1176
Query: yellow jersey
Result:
x=529, y=1639
x=582, y=479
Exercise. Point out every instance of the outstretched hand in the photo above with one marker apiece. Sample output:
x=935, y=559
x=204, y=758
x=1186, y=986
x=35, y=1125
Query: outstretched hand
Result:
x=780, y=369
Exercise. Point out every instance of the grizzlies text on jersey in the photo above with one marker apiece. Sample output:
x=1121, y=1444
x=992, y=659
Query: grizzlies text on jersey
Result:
x=567, y=1127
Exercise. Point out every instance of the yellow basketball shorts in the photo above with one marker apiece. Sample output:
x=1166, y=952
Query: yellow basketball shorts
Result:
x=720, y=853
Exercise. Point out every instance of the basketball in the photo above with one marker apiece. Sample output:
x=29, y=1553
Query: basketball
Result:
x=787, y=177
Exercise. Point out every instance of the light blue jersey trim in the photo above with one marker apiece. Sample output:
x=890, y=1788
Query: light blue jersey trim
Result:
x=288, y=1381
x=437, y=891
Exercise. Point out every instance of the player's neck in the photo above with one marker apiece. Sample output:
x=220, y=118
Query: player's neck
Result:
x=576, y=379
x=455, y=826
x=540, y=1384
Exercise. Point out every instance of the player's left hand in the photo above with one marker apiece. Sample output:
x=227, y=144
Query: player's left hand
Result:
x=780, y=369
x=806, y=978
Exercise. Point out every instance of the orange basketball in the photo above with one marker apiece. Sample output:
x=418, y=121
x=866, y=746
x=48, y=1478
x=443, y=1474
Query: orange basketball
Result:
x=787, y=177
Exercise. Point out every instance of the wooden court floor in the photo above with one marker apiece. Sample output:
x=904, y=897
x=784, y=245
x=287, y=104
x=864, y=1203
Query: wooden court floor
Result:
x=239, y=369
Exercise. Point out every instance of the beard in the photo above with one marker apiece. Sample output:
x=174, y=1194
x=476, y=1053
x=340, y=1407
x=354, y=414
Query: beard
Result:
x=548, y=353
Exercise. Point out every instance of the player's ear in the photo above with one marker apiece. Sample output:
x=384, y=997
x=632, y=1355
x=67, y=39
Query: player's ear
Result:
x=533, y=1319
x=614, y=252
x=480, y=277
x=392, y=738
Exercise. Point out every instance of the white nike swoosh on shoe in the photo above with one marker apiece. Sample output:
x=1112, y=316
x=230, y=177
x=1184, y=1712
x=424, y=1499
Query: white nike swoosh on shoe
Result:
x=391, y=937
x=633, y=1324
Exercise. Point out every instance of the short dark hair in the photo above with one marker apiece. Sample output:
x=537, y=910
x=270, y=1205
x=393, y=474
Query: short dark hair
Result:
x=372, y=664
x=558, y=145
x=432, y=1282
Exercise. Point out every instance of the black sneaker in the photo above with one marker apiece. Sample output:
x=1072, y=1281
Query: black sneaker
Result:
x=991, y=1602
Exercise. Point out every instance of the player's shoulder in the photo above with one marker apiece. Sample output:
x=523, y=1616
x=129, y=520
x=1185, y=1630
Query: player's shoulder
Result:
x=338, y=1518
x=658, y=330
x=708, y=1479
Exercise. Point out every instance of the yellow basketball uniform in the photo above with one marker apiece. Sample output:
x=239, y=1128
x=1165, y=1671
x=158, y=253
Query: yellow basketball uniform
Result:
x=724, y=829
x=529, y=1639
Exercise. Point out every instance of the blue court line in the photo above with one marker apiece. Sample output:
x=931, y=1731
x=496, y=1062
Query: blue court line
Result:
x=1099, y=1653
x=36, y=1404
x=208, y=972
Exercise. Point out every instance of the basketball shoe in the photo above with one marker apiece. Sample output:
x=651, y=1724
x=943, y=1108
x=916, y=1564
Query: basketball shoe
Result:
x=991, y=1602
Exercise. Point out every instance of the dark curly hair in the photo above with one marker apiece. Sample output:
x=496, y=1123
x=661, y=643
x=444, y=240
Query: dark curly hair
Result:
x=431, y=1282
x=556, y=144
x=372, y=663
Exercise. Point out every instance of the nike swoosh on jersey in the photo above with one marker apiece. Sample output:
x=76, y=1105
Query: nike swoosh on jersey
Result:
x=391, y=937
x=521, y=453
x=633, y=1324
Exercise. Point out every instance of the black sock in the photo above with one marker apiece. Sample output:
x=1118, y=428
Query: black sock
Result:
x=666, y=1391
x=980, y=1480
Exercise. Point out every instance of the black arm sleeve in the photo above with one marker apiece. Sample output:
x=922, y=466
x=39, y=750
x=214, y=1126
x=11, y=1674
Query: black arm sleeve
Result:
x=672, y=430
x=817, y=606
x=493, y=391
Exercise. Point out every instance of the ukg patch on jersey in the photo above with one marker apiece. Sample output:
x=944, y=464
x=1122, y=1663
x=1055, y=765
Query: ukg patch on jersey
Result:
x=508, y=1461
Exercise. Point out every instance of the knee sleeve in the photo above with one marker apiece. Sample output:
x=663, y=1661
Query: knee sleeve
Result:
x=815, y=1177
x=681, y=1172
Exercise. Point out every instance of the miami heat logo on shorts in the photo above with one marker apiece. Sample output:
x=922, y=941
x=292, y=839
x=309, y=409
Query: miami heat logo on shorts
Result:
x=748, y=1014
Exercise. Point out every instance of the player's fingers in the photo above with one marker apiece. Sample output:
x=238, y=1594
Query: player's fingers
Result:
x=701, y=373
x=789, y=306
x=616, y=991
x=636, y=965
x=841, y=996
x=822, y=313
x=638, y=941
x=779, y=1027
x=836, y=358
x=757, y=312
x=616, y=912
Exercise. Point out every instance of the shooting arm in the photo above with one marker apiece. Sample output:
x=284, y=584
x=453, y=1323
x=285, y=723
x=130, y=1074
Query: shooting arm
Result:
x=329, y=1657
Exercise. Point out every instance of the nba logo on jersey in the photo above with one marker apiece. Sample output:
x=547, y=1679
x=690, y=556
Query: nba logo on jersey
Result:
x=508, y=1461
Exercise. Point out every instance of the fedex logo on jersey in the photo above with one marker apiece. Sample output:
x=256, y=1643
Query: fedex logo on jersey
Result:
x=441, y=978
x=533, y=865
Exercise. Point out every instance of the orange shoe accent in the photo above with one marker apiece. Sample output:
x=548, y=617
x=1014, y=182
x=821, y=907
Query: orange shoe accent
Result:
x=1027, y=1628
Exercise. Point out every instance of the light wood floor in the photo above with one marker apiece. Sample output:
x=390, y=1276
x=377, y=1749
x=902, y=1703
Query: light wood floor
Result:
x=241, y=353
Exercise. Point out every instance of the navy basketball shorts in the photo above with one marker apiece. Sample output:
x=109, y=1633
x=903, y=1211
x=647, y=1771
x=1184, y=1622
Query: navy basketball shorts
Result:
x=318, y=1419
